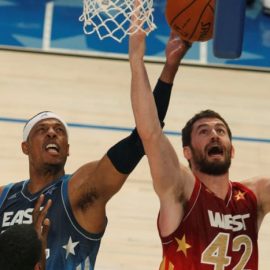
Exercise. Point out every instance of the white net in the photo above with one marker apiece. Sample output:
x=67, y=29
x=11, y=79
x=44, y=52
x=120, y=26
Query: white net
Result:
x=112, y=18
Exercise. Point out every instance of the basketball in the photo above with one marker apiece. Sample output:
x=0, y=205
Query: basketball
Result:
x=193, y=20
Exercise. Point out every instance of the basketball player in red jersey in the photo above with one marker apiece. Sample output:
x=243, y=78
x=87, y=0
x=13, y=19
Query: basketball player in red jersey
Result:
x=206, y=222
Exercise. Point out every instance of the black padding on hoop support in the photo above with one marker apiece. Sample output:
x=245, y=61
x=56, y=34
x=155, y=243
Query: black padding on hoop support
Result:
x=229, y=28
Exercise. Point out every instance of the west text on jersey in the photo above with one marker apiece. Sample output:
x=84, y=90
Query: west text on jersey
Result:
x=229, y=222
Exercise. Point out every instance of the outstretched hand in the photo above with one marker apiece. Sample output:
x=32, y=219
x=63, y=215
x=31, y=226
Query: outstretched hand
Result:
x=176, y=49
x=42, y=225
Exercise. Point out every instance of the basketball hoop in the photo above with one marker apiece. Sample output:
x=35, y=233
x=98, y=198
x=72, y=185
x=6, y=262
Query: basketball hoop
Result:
x=112, y=18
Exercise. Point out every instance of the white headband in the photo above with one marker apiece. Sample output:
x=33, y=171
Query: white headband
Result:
x=41, y=116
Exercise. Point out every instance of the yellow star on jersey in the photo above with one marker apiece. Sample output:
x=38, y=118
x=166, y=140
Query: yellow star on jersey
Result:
x=164, y=265
x=240, y=195
x=182, y=245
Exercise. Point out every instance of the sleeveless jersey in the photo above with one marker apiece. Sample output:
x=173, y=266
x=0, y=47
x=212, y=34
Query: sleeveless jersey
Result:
x=214, y=234
x=69, y=246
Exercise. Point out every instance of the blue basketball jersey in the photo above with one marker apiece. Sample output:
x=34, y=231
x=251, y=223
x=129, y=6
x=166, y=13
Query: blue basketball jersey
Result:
x=69, y=247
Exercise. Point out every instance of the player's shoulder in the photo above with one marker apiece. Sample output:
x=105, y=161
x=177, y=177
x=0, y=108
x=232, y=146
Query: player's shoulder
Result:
x=13, y=187
x=92, y=169
x=256, y=182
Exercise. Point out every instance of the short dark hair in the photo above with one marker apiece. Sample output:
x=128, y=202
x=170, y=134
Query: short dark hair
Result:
x=20, y=248
x=186, y=131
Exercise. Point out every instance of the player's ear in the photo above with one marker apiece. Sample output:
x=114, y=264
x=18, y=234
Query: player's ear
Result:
x=68, y=150
x=25, y=149
x=187, y=152
x=232, y=152
x=38, y=267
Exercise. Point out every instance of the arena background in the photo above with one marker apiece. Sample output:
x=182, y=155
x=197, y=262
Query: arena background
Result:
x=92, y=94
x=54, y=26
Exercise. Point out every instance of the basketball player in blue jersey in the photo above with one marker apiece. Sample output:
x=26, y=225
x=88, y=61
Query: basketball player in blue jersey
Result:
x=78, y=211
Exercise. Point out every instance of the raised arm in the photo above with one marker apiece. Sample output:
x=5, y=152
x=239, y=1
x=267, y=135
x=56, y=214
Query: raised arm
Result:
x=169, y=177
x=261, y=188
x=96, y=182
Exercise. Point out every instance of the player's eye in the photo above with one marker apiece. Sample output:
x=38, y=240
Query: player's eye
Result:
x=41, y=129
x=60, y=130
x=203, y=131
x=221, y=131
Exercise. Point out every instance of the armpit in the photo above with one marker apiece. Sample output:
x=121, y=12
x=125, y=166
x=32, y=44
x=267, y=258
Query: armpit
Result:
x=87, y=199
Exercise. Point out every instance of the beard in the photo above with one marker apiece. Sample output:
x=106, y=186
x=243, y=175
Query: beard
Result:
x=52, y=169
x=211, y=167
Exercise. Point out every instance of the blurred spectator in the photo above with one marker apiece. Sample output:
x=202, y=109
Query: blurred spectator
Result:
x=22, y=246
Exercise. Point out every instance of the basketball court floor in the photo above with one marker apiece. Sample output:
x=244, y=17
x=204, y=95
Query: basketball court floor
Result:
x=93, y=95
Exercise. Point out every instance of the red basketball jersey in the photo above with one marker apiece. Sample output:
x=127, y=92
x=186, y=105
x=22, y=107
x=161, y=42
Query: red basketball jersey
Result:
x=215, y=234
